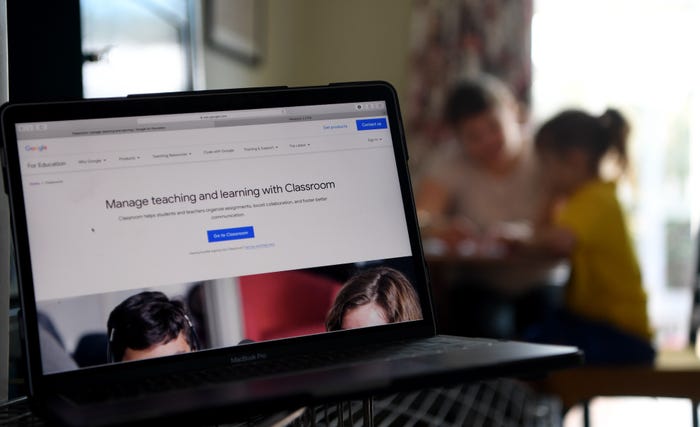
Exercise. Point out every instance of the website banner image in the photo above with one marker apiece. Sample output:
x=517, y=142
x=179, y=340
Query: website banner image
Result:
x=161, y=321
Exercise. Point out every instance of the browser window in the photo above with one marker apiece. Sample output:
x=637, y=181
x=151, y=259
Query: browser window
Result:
x=209, y=199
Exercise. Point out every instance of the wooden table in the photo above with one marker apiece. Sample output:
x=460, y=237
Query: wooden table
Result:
x=510, y=275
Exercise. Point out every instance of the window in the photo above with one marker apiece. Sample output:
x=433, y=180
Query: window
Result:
x=137, y=46
x=636, y=56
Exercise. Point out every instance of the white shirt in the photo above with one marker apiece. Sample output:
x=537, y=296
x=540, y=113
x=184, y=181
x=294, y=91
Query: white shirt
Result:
x=487, y=199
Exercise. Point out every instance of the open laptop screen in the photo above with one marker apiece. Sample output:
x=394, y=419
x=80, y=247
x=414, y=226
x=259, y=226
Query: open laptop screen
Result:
x=203, y=230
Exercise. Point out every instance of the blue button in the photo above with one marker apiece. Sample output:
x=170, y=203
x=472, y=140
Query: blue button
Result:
x=371, y=124
x=224, y=234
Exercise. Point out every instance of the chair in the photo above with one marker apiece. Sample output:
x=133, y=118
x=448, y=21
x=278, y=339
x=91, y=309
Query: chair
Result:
x=91, y=349
x=674, y=374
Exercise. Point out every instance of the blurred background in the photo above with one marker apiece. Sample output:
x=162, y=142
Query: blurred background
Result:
x=554, y=54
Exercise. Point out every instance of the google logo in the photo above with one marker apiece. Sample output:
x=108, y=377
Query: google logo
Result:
x=38, y=148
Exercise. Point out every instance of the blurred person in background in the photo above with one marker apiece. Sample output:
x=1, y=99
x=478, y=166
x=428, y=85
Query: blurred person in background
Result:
x=480, y=190
x=605, y=311
x=484, y=178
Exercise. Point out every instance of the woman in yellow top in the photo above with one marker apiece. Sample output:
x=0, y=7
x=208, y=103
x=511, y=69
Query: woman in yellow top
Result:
x=605, y=308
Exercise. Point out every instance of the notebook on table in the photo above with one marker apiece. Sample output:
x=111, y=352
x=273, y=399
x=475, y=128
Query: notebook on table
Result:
x=204, y=255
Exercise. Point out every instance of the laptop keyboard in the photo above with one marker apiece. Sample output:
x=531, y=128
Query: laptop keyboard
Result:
x=219, y=374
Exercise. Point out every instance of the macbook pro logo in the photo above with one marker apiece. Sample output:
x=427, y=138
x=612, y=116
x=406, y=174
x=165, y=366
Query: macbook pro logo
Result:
x=250, y=357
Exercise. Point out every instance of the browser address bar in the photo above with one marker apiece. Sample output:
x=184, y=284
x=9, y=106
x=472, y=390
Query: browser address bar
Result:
x=214, y=115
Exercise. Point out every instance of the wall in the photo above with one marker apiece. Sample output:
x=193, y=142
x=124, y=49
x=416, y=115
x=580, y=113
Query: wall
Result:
x=320, y=41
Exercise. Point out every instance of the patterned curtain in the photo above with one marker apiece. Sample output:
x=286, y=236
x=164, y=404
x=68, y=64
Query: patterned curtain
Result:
x=457, y=39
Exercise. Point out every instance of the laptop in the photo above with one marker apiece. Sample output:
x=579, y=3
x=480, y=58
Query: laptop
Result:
x=201, y=256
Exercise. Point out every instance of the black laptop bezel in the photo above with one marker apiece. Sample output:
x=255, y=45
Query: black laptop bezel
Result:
x=188, y=103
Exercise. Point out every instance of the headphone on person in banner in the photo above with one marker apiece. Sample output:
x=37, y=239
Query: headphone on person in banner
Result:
x=193, y=340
